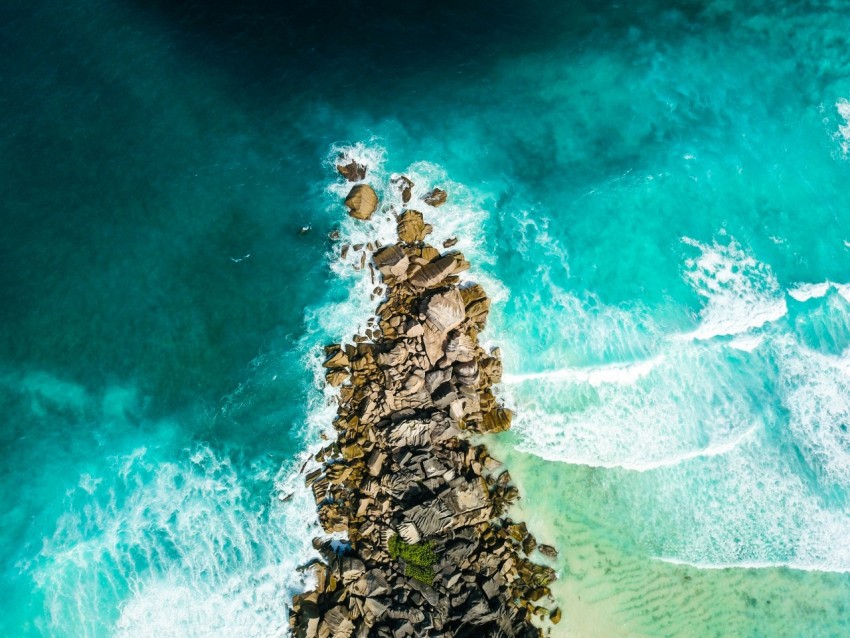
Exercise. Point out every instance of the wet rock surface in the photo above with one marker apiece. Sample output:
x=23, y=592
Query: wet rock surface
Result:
x=430, y=551
x=361, y=201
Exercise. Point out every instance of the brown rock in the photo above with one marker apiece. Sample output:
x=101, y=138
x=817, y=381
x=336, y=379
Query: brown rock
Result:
x=436, y=198
x=376, y=462
x=444, y=311
x=412, y=227
x=362, y=201
x=337, y=360
x=392, y=261
x=337, y=376
x=405, y=186
x=497, y=420
x=528, y=544
x=434, y=341
x=432, y=274
x=548, y=550
x=351, y=452
x=352, y=171
x=429, y=253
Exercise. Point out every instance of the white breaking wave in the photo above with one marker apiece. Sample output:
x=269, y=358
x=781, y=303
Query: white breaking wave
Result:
x=716, y=449
x=616, y=373
x=804, y=292
x=746, y=343
x=791, y=564
x=688, y=403
x=183, y=550
x=816, y=392
x=843, y=135
x=741, y=293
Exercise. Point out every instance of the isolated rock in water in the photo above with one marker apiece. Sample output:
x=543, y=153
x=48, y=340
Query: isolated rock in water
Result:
x=436, y=198
x=445, y=311
x=362, y=201
x=405, y=187
x=412, y=228
x=352, y=171
x=548, y=550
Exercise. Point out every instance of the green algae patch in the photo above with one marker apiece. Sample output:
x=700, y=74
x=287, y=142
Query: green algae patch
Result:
x=418, y=558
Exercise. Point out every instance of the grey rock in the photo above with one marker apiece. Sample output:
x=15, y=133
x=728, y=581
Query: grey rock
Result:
x=444, y=395
x=436, y=378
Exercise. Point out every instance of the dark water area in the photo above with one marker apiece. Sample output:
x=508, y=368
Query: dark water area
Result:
x=659, y=184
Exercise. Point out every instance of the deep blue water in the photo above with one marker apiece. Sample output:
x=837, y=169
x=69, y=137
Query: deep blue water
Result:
x=655, y=195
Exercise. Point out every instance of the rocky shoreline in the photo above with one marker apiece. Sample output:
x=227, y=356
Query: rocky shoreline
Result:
x=430, y=551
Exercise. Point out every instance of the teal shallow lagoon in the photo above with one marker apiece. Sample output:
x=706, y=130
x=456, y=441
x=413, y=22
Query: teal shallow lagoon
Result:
x=655, y=195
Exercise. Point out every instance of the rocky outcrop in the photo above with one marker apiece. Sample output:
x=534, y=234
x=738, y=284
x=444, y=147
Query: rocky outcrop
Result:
x=430, y=550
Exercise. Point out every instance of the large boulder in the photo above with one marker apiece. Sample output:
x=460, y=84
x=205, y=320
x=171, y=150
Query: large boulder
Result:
x=392, y=261
x=460, y=347
x=362, y=201
x=433, y=340
x=308, y=620
x=466, y=497
x=412, y=227
x=431, y=274
x=352, y=569
x=338, y=622
x=445, y=311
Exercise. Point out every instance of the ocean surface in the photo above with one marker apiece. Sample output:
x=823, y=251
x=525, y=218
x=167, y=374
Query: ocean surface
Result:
x=655, y=194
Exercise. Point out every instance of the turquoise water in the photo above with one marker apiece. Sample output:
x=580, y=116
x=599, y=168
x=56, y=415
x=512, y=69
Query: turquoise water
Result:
x=655, y=195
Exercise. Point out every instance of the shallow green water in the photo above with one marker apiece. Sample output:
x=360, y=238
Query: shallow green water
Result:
x=655, y=195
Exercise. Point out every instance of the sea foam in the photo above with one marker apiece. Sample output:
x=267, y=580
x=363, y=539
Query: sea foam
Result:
x=184, y=545
x=843, y=134
x=740, y=292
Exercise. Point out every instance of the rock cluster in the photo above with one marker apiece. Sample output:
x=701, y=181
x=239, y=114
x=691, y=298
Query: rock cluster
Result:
x=430, y=551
